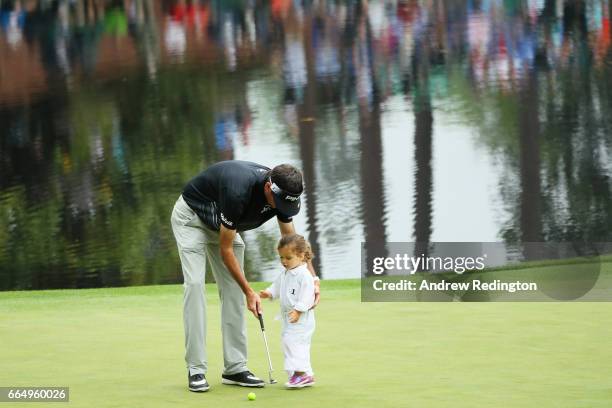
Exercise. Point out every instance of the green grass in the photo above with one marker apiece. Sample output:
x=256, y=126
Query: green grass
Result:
x=123, y=347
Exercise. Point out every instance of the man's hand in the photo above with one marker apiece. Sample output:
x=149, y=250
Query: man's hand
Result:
x=226, y=239
x=294, y=316
x=264, y=294
x=254, y=303
x=317, y=291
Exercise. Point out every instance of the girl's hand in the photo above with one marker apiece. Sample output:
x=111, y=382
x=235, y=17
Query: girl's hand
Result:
x=294, y=316
x=264, y=294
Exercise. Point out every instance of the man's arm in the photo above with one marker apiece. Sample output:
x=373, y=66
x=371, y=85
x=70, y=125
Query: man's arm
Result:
x=226, y=243
x=287, y=228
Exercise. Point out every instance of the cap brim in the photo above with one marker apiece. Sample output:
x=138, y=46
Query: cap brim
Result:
x=286, y=208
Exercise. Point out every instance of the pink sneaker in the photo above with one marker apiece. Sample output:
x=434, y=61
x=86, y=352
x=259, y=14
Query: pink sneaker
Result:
x=300, y=381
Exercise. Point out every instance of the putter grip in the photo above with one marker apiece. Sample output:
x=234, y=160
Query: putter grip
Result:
x=260, y=316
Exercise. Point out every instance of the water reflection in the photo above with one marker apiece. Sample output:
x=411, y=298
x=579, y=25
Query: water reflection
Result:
x=412, y=120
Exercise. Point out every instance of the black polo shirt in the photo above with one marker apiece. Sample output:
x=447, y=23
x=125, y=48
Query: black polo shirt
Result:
x=231, y=193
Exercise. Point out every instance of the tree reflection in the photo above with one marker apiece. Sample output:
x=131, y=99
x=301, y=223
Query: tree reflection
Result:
x=423, y=119
x=107, y=108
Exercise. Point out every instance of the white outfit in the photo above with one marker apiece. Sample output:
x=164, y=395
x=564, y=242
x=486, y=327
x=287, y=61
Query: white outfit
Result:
x=295, y=288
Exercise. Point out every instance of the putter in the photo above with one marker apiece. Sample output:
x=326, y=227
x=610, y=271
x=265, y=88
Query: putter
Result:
x=263, y=331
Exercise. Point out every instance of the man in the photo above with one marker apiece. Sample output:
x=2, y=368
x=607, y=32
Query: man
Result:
x=227, y=198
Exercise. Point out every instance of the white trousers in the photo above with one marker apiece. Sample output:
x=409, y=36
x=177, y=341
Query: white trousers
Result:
x=296, y=339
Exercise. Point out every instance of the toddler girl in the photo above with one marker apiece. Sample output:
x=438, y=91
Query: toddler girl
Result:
x=295, y=288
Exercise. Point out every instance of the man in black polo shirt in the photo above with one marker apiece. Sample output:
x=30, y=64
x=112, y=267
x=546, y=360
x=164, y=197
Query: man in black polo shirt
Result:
x=227, y=198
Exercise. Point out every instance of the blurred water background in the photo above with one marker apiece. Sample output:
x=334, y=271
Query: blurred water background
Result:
x=413, y=120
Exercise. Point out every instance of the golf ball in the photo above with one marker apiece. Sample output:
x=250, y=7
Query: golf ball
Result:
x=251, y=396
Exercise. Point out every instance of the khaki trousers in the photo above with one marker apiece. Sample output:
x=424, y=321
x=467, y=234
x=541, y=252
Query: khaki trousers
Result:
x=195, y=244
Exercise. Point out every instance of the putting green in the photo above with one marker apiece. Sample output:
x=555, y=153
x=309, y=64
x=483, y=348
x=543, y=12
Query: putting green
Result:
x=124, y=348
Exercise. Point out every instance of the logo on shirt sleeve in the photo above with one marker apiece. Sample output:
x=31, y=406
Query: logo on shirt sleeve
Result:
x=225, y=220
